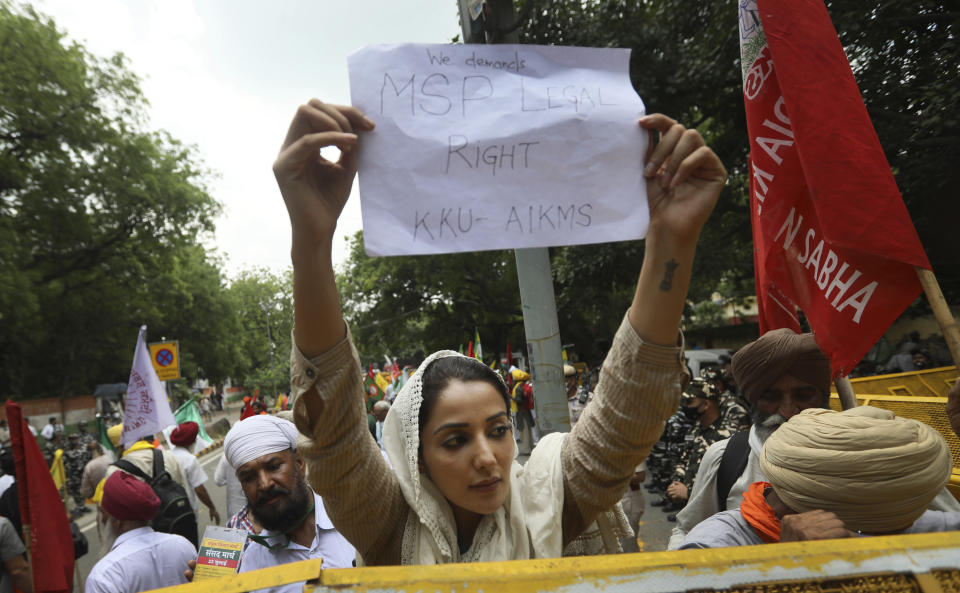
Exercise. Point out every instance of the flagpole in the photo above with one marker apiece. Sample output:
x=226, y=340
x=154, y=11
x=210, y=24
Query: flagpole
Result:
x=26, y=540
x=941, y=311
x=848, y=399
x=948, y=325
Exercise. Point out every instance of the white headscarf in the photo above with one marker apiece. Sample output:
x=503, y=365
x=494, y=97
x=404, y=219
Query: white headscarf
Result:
x=528, y=525
x=257, y=436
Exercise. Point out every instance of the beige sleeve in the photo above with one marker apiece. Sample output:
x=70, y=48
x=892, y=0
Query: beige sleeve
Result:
x=638, y=391
x=360, y=492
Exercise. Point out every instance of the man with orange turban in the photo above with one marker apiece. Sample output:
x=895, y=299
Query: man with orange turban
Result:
x=247, y=408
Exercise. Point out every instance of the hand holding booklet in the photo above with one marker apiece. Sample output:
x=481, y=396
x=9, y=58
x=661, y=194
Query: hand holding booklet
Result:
x=220, y=552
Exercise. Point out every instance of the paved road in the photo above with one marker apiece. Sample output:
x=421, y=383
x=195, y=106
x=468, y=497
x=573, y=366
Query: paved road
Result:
x=654, y=527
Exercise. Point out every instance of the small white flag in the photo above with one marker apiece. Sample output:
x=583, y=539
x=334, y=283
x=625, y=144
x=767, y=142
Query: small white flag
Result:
x=147, y=410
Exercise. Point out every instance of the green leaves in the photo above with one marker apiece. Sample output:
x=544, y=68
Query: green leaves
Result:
x=101, y=221
x=402, y=305
x=686, y=63
x=263, y=304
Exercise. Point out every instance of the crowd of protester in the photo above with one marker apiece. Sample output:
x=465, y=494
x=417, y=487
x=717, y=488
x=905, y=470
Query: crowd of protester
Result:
x=747, y=453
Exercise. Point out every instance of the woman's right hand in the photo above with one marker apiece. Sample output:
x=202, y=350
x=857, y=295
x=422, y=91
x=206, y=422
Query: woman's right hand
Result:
x=315, y=189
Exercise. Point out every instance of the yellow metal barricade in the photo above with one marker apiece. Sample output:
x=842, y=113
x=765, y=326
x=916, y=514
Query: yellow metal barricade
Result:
x=275, y=576
x=930, y=383
x=925, y=563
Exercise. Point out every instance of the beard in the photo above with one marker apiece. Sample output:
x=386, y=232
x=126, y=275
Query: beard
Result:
x=286, y=513
x=107, y=531
x=765, y=424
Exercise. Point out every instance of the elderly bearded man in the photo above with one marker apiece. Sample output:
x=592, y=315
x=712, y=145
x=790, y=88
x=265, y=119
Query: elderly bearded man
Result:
x=263, y=451
x=780, y=375
x=839, y=474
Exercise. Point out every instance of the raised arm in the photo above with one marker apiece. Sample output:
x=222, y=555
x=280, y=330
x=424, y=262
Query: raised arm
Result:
x=315, y=191
x=640, y=384
x=344, y=464
x=684, y=179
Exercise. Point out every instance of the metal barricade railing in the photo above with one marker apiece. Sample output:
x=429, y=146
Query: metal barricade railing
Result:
x=929, y=382
x=924, y=563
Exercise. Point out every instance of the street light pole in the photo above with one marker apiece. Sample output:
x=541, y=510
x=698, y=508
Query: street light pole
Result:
x=542, y=329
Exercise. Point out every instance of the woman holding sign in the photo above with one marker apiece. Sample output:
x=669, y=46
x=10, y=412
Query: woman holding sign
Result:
x=455, y=493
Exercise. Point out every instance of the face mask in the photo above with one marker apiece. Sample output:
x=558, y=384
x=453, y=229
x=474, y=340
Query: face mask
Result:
x=690, y=413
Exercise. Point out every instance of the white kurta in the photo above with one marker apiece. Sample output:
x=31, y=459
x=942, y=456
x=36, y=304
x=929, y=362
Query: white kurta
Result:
x=141, y=560
x=192, y=473
x=225, y=475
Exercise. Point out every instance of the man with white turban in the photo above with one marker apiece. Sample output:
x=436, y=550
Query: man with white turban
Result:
x=263, y=452
x=836, y=474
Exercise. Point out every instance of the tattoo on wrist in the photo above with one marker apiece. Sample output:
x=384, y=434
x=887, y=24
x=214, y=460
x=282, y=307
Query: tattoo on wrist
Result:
x=667, y=283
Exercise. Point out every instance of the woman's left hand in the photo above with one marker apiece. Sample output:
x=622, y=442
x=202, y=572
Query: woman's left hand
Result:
x=684, y=179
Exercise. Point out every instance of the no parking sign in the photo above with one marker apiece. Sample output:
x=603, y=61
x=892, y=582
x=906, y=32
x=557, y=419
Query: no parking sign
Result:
x=165, y=359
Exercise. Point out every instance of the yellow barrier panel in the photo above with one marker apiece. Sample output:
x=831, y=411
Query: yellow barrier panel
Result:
x=870, y=564
x=745, y=568
x=929, y=382
x=924, y=563
x=256, y=579
x=873, y=563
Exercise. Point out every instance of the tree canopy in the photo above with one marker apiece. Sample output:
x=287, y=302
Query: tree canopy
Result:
x=101, y=222
x=405, y=306
x=686, y=62
x=263, y=302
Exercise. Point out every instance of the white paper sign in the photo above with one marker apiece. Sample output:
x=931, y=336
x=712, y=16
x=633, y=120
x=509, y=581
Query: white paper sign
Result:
x=497, y=146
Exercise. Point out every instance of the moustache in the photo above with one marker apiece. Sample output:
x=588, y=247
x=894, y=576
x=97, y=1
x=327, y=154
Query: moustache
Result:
x=273, y=492
x=773, y=421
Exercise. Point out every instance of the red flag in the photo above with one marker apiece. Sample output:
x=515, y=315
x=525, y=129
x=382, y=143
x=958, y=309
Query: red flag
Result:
x=470, y=349
x=509, y=355
x=41, y=510
x=831, y=233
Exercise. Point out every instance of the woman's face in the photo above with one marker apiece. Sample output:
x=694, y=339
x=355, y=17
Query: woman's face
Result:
x=468, y=447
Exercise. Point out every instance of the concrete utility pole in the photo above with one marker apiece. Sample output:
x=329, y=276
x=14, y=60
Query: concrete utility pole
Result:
x=495, y=21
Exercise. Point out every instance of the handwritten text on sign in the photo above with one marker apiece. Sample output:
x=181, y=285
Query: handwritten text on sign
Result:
x=496, y=147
